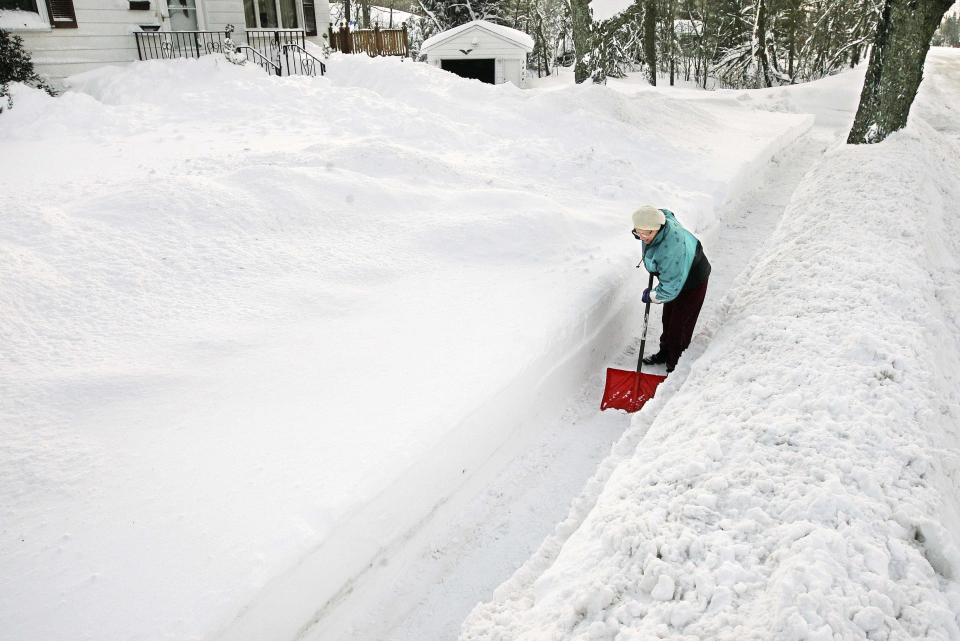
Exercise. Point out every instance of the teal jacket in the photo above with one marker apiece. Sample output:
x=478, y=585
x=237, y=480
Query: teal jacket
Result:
x=670, y=257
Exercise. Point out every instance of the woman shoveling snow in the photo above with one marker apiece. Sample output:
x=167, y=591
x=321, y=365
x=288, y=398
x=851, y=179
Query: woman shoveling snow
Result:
x=676, y=258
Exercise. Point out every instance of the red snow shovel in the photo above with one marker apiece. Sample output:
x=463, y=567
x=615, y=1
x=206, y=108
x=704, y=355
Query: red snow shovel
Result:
x=630, y=390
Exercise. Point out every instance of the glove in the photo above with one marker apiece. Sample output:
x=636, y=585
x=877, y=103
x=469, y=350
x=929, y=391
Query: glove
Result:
x=649, y=296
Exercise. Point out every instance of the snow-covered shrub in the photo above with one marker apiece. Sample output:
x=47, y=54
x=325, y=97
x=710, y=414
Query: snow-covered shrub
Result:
x=16, y=66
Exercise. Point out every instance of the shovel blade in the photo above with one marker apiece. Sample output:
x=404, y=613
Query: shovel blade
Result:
x=628, y=390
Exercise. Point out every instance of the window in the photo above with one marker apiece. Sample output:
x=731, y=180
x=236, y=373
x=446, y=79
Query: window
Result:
x=310, y=17
x=288, y=14
x=183, y=15
x=271, y=14
x=60, y=13
x=18, y=5
x=250, y=13
x=268, y=13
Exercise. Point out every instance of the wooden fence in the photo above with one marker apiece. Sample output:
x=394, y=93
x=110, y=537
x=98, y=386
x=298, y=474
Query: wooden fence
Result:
x=373, y=42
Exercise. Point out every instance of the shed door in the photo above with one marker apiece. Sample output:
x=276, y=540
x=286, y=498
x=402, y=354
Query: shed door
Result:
x=511, y=71
x=481, y=69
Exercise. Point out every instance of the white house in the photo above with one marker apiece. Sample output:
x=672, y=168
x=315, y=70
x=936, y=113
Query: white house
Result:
x=482, y=50
x=69, y=36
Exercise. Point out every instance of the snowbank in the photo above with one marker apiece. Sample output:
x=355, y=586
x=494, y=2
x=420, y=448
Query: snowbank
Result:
x=799, y=479
x=254, y=330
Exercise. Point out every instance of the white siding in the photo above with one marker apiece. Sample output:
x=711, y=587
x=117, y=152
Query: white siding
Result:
x=487, y=46
x=104, y=35
x=217, y=14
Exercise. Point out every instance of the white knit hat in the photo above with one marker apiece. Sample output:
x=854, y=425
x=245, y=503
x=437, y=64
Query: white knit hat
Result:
x=648, y=217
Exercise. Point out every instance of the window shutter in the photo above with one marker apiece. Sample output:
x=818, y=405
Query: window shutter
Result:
x=310, y=17
x=62, y=14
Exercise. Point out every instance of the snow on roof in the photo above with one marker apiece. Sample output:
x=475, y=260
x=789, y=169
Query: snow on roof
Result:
x=513, y=35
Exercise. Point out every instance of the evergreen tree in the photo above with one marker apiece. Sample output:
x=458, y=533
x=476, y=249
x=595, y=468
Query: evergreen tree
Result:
x=620, y=44
x=948, y=34
x=737, y=43
x=446, y=14
x=741, y=30
x=546, y=21
x=903, y=37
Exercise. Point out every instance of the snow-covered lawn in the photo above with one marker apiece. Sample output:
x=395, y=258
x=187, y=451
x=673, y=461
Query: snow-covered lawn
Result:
x=255, y=329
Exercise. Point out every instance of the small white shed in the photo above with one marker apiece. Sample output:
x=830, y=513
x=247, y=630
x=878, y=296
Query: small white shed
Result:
x=482, y=50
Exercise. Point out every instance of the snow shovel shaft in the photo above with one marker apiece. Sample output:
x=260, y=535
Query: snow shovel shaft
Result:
x=629, y=391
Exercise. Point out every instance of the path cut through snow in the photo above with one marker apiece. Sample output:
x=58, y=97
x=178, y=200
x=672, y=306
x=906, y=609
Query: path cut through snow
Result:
x=478, y=539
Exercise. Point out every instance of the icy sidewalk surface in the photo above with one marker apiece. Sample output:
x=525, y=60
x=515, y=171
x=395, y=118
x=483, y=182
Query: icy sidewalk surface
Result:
x=243, y=314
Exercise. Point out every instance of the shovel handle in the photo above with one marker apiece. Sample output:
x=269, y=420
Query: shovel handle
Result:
x=646, y=320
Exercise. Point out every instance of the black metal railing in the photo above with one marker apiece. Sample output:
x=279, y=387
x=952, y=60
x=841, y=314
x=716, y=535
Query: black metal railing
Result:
x=152, y=45
x=258, y=58
x=269, y=42
x=299, y=61
x=274, y=50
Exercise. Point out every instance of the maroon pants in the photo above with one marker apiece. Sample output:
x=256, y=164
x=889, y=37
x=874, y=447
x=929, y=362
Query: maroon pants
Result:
x=679, y=318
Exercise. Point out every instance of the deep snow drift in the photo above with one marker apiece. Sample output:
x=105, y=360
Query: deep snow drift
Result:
x=255, y=329
x=798, y=477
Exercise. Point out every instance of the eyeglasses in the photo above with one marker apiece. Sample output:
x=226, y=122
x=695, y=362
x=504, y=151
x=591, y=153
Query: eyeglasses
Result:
x=639, y=235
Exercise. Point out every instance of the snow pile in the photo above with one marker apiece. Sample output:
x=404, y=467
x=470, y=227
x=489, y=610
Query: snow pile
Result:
x=799, y=480
x=255, y=328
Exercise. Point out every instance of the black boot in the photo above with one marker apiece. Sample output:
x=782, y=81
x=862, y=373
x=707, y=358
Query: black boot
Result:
x=655, y=359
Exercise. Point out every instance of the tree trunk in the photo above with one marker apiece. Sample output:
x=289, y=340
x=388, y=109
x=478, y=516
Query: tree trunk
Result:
x=581, y=27
x=792, y=45
x=896, y=67
x=673, y=36
x=702, y=61
x=650, y=38
x=544, y=48
x=760, y=42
